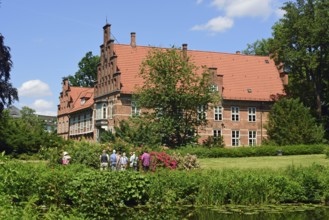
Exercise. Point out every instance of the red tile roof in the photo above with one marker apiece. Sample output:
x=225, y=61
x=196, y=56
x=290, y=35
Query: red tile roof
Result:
x=78, y=93
x=245, y=77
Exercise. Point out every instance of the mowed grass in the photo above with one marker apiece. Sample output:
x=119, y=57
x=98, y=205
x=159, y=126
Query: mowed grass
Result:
x=275, y=162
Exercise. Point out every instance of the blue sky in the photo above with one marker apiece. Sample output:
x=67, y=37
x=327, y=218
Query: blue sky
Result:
x=48, y=38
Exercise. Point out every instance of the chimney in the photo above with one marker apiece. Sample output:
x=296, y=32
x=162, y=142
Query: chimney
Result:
x=133, y=39
x=217, y=79
x=237, y=52
x=184, y=48
x=107, y=33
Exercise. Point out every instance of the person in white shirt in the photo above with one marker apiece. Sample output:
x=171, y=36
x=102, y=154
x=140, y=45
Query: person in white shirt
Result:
x=133, y=161
x=123, y=161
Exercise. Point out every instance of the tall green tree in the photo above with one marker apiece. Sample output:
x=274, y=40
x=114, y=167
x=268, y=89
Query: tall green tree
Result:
x=259, y=47
x=301, y=42
x=87, y=73
x=26, y=134
x=173, y=93
x=290, y=122
x=8, y=93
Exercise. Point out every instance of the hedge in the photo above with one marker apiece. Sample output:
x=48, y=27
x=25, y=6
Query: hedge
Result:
x=202, y=152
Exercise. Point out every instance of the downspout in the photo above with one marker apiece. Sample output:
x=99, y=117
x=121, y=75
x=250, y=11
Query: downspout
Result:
x=261, y=123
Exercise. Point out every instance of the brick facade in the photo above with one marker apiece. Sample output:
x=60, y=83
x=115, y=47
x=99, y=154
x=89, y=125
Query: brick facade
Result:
x=245, y=83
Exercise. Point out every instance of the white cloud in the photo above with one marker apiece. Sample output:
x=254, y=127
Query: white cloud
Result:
x=34, y=88
x=218, y=24
x=42, y=104
x=43, y=107
x=199, y=1
x=232, y=9
x=242, y=8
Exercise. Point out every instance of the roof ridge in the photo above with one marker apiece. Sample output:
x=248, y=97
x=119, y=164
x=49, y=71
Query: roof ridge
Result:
x=195, y=50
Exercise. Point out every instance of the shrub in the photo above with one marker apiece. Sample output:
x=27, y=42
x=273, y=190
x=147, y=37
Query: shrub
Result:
x=162, y=160
x=187, y=162
x=211, y=142
x=202, y=152
x=286, y=127
x=37, y=191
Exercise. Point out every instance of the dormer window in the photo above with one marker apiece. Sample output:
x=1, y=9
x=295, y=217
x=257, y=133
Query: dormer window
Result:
x=83, y=101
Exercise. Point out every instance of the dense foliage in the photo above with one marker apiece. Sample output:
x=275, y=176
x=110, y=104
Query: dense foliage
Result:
x=8, y=93
x=38, y=191
x=138, y=131
x=87, y=73
x=172, y=93
x=300, y=41
x=259, y=47
x=299, y=46
x=25, y=135
x=290, y=122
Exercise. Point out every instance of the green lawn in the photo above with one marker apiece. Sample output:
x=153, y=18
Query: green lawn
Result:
x=275, y=162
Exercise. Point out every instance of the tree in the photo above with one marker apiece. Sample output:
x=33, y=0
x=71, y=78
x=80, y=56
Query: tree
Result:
x=301, y=42
x=87, y=73
x=8, y=93
x=25, y=134
x=290, y=122
x=138, y=131
x=259, y=47
x=173, y=93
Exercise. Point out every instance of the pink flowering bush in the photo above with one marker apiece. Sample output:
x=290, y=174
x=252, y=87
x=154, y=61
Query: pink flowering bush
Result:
x=162, y=160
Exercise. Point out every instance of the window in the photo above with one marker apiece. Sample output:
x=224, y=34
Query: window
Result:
x=218, y=115
x=217, y=133
x=135, y=111
x=111, y=110
x=252, y=114
x=202, y=115
x=84, y=123
x=235, y=113
x=214, y=88
x=252, y=138
x=83, y=101
x=88, y=125
x=235, y=138
x=98, y=111
x=104, y=111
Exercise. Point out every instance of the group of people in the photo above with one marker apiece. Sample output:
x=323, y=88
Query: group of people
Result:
x=117, y=162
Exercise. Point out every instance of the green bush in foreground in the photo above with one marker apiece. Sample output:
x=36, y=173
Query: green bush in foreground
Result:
x=37, y=190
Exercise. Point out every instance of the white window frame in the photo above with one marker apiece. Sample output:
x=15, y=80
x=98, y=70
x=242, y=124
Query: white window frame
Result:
x=202, y=112
x=217, y=133
x=111, y=110
x=252, y=114
x=218, y=113
x=135, y=111
x=98, y=111
x=252, y=138
x=235, y=138
x=235, y=113
x=214, y=88
x=104, y=111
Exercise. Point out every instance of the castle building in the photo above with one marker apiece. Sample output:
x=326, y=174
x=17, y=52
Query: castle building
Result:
x=247, y=85
x=75, y=112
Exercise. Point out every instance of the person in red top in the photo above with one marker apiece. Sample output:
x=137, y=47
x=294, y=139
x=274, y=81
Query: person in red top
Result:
x=146, y=160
